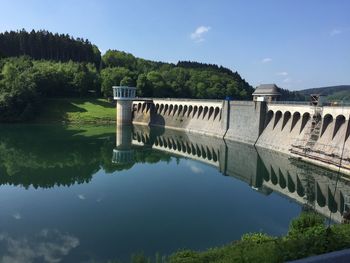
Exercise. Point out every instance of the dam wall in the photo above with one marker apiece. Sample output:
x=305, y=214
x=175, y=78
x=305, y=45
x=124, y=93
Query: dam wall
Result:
x=315, y=134
x=331, y=145
x=236, y=120
x=245, y=121
x=200, y=116
x=284, y=124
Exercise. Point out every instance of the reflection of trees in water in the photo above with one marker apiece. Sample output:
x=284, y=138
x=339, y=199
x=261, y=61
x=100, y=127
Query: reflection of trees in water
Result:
x=47, y=156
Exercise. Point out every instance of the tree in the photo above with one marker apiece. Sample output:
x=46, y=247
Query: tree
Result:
x=114, y=58
x=159, y=86
x=127, y=81
x=142, y=86
x=24, y=82
x=112, y=77
x=19, y=98
x=46, y=45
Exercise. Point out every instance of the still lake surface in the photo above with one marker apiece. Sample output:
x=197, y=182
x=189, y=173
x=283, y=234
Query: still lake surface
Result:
x=83, y=193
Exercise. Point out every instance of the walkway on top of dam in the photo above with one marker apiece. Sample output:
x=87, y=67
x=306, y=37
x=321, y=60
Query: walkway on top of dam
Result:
x=176, y=99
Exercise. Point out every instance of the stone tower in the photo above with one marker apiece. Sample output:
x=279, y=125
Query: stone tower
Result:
x=124, y=96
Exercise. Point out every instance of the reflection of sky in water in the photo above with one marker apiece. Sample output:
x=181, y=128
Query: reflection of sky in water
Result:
x=49, y=245
x=194, y=167
x=81, y=197
x=70, y=203
x=151, y=207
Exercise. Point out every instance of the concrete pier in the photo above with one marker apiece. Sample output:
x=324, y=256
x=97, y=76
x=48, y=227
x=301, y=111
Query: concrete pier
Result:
x=124, y=113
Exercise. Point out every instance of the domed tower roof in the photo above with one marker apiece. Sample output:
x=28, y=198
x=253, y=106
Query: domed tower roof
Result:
x=266, y=90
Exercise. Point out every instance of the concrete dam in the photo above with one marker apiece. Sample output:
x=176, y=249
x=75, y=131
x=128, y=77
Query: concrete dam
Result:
x=317, y=134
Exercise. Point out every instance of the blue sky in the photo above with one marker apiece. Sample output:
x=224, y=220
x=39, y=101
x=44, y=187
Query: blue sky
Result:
x=294, y=43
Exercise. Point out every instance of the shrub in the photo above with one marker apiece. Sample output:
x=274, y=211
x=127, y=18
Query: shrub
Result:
x=257, y=237
x=307, y=236
x=185, y=256
x=303, y=223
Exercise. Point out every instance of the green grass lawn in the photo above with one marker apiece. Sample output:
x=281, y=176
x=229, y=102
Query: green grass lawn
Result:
x=77, y=110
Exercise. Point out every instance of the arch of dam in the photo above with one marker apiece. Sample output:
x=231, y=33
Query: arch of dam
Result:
x=315, y=134
x=266, y=171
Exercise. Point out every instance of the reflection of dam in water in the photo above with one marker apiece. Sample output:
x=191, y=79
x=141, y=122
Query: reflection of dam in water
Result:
x=265, y=171
x=123, y=154
x=317, y=188
x=201, y=148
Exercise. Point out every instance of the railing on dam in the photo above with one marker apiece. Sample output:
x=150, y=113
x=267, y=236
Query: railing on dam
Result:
x=177, y=99
x=286, y=102
x=337, y=104
x=290, y=102
x=307, y=103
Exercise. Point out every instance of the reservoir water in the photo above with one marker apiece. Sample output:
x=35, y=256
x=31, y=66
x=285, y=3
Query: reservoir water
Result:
x=92, y=194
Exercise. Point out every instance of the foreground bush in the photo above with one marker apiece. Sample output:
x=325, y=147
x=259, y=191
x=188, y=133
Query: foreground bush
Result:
x=307, y=236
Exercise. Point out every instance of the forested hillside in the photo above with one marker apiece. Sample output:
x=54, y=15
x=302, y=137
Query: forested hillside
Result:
x=184, y=79
x=46, y=45
x=287, y=95
x=40, y=64
x=332, y=93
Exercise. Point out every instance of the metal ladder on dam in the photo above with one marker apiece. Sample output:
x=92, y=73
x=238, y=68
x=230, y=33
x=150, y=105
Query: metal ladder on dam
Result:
x=311, y=135
x=314, y=132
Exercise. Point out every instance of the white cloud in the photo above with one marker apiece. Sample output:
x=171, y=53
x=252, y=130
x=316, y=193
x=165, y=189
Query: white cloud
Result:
x=266, y=60
x=81, y=197
x=286, y=80
x=335, y=32
x=198, y=34
x=48, y=246
x=283, y=73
